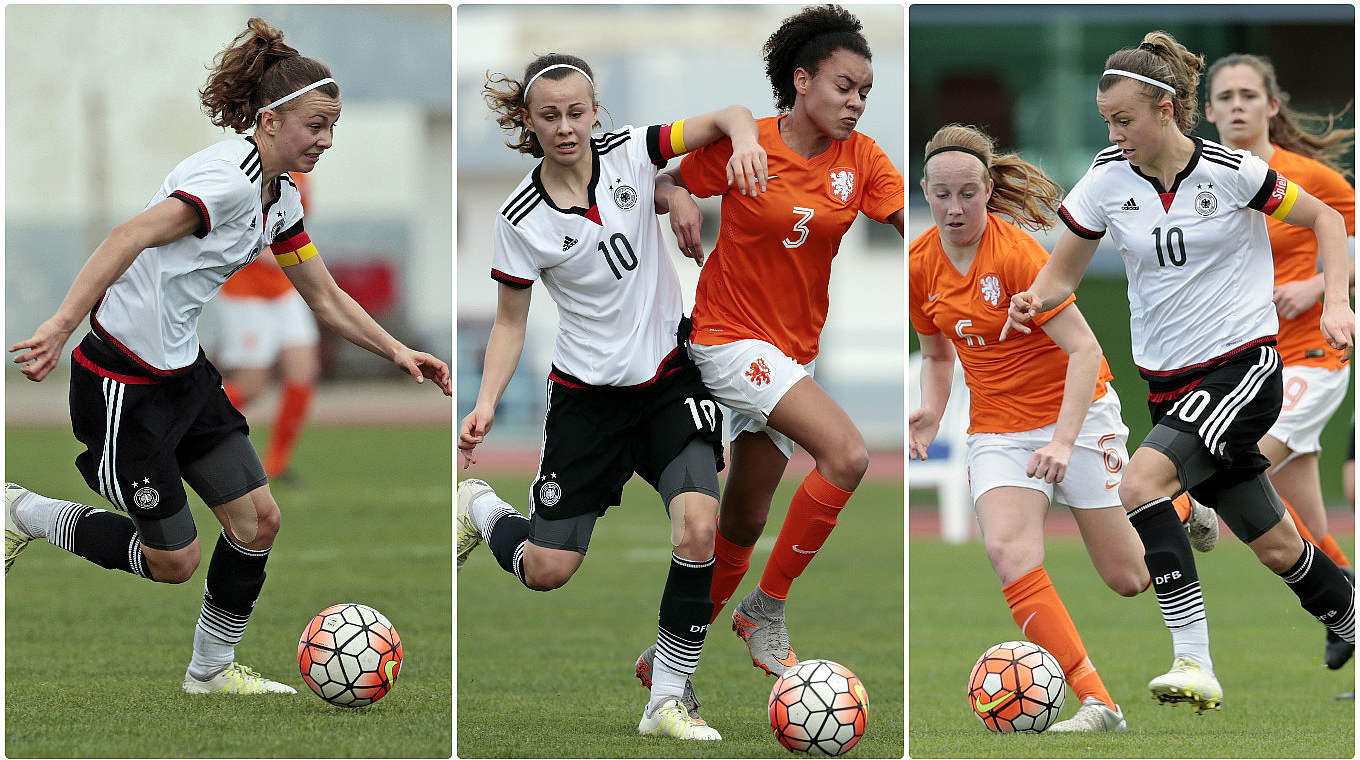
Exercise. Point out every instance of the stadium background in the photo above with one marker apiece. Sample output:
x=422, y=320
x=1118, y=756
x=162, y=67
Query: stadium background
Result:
x=101, y=104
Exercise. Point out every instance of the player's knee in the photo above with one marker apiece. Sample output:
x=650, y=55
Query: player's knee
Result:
x=546, y=578
x=700, y=529
x=1135, y=492
x=1279, y=556
x=844, y=465
x=1012, y=559
x=1129, y=582
x=267, y=518
x=742, y=524
x=175, y=567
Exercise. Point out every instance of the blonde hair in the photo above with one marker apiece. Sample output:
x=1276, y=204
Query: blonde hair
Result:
x=1324, y=142
x=1020, y=189
x=1162, y=58
x=506, y=97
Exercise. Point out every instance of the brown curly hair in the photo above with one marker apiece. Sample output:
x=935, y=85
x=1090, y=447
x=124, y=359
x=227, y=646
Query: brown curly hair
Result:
x=508, y=102
x=806, y=39
x=1161, y=57
x=256, y=69
x=1020, y=189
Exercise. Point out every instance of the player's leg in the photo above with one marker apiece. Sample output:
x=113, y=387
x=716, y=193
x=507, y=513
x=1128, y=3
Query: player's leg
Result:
x=757, y=465
x=299, y=366
x=245, y=384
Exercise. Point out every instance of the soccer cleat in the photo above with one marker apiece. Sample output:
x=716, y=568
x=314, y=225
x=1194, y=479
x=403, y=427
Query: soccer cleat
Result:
x=1202, y=527
x=1338, y=651
x=235, y=679
x=670, y=719
x=767, y=638
x=1093, y=715
x=1187, y=682
x=643, y=669
x=468, y=536
x=16, y=539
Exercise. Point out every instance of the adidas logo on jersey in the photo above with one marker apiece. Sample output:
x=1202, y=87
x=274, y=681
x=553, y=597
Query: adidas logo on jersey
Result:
x=1129, y=205
x=568, y=242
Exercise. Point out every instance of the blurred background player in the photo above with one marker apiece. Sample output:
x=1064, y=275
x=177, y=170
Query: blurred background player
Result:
x=624, y=396
x=262, y=324
x=1203, y=327
x=145, y=401
x=1251, y=112
x=762, y=300
x=1045, y=421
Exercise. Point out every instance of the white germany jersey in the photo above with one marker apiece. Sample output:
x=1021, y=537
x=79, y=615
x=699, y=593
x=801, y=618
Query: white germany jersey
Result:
x=151, y=311
x=1197, y=254
x=618, y=297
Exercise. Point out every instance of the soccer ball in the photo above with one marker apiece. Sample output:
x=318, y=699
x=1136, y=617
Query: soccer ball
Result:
x=1016, y=686
x=818, y=707
x=349, y=654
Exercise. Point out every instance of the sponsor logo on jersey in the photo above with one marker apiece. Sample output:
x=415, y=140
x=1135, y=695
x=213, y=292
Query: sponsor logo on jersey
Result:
x=549, y=493
x=842, y=183
x=625, y=197
x=1129, y=205
x=758, y=373
x=1206, y=203
x=990, y=284
x=568, y=241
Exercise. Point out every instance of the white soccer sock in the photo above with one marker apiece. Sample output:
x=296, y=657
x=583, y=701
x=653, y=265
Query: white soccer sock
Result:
x=1192, y=641
x=666, y=684
x=211, y=655
x=37, y=515
x=486, y=509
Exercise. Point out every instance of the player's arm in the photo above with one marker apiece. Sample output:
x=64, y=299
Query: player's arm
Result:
x=748, y=167
x=1055, y=282
x=1338, y=321
x=339, y=312
x=163, y=223
x=503, y=350
x=897, y=220
x=1069, y=329
x=686, y=219
x=937, y=377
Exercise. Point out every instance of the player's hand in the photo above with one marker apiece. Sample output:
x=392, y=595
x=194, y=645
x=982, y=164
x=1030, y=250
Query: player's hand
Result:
x=922, y=427
x=473, y=431
x=421, y=365
x=1338, y=326
x=1050, y=462
x=42, y=351
x=1294, y=298
x=686, y=222
x=748, y=168
x=1024, y=305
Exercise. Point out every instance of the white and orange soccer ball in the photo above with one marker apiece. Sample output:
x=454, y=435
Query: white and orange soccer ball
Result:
x=1016, y=686
x=818, y=707
x=349, y=655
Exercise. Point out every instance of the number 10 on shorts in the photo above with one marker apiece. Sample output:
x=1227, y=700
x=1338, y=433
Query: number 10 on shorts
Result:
x=710, y=413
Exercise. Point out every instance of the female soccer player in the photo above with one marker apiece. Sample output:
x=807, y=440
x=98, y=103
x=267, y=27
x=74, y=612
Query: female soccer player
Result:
x=623, y=395
x=762, y=300
x=146, y=404
x=1188, y=216
x=1045, y=420
x=1247, y=106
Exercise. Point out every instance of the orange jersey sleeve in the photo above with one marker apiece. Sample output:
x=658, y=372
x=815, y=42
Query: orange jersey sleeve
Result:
x=1296, y=256
x=1016, y=385
x=767, y=277
x=261, y=279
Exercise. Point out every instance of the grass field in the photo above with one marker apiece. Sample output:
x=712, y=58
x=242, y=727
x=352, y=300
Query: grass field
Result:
x=1278, y=699
x=94, y=658
x=551, y=675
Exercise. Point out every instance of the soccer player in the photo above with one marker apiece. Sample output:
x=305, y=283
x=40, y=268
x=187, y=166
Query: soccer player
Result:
x=146, y=403
x=1247, y=106
x=1188, y=216
x=1045, y=423
x=762, y=299
x=262, y=323
x=623, y=394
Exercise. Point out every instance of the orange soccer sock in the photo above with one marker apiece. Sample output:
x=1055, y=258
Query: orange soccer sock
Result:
x=1043, y=619
x=812, y=515
x=293, y=405
x=1298, y=523
x=1332, y=549
x=1182, y=505
x=730, y=562
x=234, y=394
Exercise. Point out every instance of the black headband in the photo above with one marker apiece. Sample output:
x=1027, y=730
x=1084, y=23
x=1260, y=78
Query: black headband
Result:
x=960, y=149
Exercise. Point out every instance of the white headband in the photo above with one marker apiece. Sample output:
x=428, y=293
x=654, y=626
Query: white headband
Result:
x=1141, y=78
x=546, y=69
x=290, y=96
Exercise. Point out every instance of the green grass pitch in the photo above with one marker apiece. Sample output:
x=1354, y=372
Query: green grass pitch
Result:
x=1278, y=698
x=94, y=658
x=551, y=674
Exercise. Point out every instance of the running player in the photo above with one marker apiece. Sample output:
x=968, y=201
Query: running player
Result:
x=623, y=394
x=263, y=323
x=1188, y=216
x=1247, y=106
x=146, y=404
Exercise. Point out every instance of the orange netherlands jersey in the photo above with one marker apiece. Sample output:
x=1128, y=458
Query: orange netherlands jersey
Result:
x=1016, y=385
x=1296, y=256
x=264, y=278
x=768, y=275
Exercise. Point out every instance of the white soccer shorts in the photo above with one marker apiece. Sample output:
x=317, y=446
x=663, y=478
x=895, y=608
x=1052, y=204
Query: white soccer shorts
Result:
x=1093, y=474
x=250, y=332
x=1311, y=396
x=749, y=377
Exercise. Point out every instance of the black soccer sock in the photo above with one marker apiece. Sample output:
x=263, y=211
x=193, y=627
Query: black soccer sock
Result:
x=683, y=620
x=1324, y=591
x=235, y=577
x=105, y=538
x=1166, y=550
x=506, y=539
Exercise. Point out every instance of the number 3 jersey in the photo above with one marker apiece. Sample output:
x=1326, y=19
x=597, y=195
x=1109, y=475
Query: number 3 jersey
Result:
x=1197, y=254
x=607, y=268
